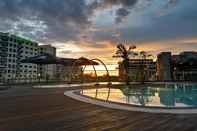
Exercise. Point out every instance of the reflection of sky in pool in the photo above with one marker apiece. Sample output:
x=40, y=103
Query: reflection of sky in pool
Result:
x=163, y=96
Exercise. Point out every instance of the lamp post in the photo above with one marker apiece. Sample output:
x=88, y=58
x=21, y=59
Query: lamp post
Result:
x=39, y=77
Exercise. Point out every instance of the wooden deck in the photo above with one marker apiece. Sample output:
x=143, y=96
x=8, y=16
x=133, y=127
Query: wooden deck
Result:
x=29, y=109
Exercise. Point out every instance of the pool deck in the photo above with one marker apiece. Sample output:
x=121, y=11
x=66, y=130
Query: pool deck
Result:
x=28, y=109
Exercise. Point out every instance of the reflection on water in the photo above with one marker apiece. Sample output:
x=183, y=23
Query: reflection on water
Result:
x=163, y=96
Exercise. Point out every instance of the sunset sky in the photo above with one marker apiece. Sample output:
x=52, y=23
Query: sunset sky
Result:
x=92, y=28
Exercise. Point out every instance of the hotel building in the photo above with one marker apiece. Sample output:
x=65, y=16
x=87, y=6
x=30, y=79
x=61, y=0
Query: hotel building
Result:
x=139, y=69
x=12, y=50
x=181, y=67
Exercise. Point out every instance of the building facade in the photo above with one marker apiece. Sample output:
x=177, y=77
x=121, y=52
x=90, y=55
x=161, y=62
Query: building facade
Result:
x=47, y=72
x=57, y=72
x=138, y=70
x=68, y=73
x=164, y=67
x=12, y=50
x=185, y=66
x=181, y=67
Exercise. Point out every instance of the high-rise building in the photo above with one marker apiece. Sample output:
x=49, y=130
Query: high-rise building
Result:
x=12, y=50
x=164, y=72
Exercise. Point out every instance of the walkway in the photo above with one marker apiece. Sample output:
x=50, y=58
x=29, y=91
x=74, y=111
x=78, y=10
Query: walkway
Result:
x=27, y=109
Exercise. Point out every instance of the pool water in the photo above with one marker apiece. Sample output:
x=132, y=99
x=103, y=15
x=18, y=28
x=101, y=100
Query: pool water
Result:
x=158, y=96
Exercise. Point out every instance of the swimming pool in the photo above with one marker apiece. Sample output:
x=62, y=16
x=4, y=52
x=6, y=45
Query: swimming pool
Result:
x=155, y=98
x=165, y=96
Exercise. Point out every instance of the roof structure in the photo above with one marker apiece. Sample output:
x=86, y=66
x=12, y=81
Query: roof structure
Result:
x=46, y=59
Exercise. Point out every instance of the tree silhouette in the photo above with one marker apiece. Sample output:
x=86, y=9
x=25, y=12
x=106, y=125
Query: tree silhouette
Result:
x=124, y=53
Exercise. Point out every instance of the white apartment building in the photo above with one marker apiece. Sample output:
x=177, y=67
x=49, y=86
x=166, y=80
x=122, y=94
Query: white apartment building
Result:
x=12, y=50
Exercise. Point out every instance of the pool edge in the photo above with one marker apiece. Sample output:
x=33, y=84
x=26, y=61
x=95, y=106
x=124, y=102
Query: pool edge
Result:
x=72, y=94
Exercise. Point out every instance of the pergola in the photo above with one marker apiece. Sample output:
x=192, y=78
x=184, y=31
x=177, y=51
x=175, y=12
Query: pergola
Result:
x=46, y=59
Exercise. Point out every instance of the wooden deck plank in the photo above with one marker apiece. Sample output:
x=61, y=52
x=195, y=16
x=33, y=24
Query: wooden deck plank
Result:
x=49, y=110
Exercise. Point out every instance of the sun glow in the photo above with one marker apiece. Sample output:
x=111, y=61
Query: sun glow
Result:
x=100, y=69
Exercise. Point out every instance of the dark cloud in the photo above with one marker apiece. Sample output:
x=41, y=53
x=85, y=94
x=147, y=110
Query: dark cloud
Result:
x=161, y=20
x=125, y=3
x=121, y=14
x=56, y=21
x=63, y=19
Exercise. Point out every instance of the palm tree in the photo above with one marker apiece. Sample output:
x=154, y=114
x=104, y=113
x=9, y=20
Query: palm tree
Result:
x=124, y=53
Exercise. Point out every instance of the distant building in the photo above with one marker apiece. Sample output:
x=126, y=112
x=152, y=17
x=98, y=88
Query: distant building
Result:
x=12, y=50
x=164, y=72
x=47, y=72
x=181, y=67
x=185, y=66
x=64, y=73
x=56, y=71
x=139, y=68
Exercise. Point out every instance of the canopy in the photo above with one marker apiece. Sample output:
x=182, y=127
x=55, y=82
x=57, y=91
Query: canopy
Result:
x=46, y=59
x=85, y=61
